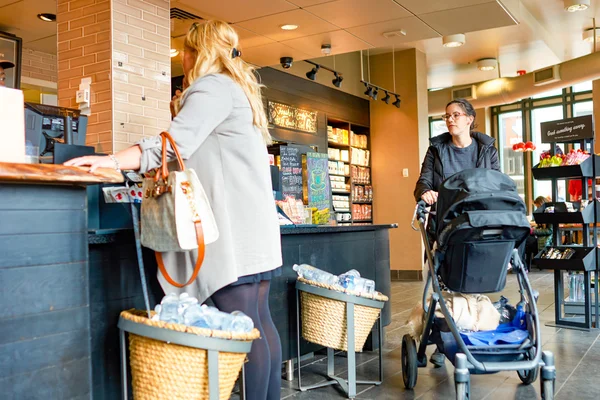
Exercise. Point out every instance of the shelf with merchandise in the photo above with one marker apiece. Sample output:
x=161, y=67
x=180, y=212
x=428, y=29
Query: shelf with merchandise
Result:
x=583, y=259
x=583, y=170
x=589, y=214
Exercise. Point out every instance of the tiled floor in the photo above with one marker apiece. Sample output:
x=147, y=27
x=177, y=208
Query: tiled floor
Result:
x=577, y=356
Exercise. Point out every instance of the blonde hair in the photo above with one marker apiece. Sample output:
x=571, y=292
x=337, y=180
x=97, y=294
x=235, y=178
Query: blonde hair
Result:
x=213, y=43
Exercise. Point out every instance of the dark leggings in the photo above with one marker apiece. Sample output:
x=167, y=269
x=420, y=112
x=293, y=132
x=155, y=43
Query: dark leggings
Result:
x=263, y=370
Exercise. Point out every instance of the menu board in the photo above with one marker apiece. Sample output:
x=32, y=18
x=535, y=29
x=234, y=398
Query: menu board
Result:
x=291, y=171
x=317, y=181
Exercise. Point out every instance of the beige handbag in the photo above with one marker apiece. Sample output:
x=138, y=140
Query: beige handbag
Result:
x=176, y=214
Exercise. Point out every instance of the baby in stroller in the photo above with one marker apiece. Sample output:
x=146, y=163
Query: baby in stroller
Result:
x=480, y=223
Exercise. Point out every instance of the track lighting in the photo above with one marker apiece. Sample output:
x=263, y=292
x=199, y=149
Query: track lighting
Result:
x=373, y=90
x=312, y=74
x=387, y=97
x=337, y=81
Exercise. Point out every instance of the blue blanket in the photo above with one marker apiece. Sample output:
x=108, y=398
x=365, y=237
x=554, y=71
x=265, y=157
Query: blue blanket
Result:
x=505, y=334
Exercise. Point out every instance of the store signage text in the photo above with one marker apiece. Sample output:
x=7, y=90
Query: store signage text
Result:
x=292, y=118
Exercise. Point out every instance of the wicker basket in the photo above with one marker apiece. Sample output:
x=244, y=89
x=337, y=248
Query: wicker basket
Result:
x=162, y=371
x=324, y=320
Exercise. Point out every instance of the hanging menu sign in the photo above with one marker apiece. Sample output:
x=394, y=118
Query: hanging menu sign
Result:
x=317, y=180
x=291, y=171
x=292, y=118
x=567, y=130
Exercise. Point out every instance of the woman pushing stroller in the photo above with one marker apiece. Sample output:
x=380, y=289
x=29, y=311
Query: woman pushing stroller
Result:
x=458, y=149
x=480, y=224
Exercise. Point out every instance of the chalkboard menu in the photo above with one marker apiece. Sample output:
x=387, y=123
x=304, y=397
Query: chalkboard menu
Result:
x=317, y=180
x=291, y=171
x=567, y=130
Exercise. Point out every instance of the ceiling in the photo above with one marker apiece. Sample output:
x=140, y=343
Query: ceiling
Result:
x=521, y=34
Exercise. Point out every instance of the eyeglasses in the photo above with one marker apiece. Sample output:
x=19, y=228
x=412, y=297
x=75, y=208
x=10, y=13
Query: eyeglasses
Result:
x=454, y=116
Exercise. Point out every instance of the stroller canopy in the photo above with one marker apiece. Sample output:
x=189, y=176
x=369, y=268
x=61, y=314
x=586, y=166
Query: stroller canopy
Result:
x=479, y=190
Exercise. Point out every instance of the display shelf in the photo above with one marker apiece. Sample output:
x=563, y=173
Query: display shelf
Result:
x=584, y=259
x=560, y=215
x=583, y=170
x=362, y=201
x=359, y=139
x=339, y=146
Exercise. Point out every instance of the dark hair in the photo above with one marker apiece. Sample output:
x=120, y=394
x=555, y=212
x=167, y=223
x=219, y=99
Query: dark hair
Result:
x=467, y=108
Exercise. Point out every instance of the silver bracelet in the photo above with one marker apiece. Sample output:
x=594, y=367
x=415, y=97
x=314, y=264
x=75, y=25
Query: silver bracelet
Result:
x=114, y=159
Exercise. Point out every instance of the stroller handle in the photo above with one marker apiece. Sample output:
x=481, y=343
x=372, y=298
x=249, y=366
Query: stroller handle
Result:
x=420, y=211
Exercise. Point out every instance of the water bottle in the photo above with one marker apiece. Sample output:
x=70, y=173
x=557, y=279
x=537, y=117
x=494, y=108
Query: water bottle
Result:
x=214, y=318
x=185, y=301
x=314, y=274
x=572, y=286
x=237, y=322
x=519, y=319
x=357, y=284
x=580, y=288
x=169, y=309
x=194, y=315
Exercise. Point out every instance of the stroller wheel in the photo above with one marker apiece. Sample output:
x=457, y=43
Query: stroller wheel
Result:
x=528, y=377
x=409, y=362
x=462, y=391
x=547, y=387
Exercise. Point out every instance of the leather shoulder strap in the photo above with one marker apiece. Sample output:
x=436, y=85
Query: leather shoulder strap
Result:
x=201, y=251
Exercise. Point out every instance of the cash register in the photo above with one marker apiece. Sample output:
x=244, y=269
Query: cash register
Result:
x=58, y=132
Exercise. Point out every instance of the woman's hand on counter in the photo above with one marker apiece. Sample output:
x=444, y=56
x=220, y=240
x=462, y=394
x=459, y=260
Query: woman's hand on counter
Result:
x=128, y=159
x=429, y=197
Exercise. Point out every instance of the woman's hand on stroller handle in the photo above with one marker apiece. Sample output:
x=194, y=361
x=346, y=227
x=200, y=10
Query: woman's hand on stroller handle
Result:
x=420, y=211
x=429, y=197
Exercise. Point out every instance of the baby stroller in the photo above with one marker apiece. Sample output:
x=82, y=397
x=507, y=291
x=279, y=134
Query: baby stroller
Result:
x=481, y=221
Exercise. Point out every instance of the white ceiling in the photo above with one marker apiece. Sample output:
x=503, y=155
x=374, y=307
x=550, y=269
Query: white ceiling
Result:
x=522, y=34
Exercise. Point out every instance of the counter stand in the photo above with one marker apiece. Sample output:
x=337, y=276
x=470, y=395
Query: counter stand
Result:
x=348, y=385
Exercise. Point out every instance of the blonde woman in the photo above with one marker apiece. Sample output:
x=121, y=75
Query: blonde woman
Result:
x=220, y=128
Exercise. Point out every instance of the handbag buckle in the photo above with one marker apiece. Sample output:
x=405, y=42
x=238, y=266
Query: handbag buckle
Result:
x=159, y=190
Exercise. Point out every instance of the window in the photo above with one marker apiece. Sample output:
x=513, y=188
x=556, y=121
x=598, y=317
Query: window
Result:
x=511, y=162
x=539, y=115
x=551, y=93
x=583, y=87
x=583, y=108
x=437, y=127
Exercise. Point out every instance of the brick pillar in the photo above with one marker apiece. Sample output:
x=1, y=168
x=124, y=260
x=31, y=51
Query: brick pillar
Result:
x=123, y=46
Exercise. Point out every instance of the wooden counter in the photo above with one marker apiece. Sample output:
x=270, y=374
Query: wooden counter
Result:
x=55, y=174
x=44, y=299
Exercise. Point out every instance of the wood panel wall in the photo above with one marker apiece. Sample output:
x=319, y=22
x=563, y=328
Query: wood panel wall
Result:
x=44, y=301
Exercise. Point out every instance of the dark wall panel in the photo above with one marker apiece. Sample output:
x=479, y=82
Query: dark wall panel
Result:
x=32, y=290
x=44, y=302
x=69, y=381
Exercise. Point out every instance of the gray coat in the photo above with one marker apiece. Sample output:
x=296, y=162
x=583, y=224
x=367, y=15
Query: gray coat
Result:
x=216, y=137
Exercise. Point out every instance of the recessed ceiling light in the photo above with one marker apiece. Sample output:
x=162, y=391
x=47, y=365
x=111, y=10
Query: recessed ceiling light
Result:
x=47, y=17
x=289, y=27
x=454, y=40
x=174, y=52
x=576, y=5
x=588, y=35
x=487, y=64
